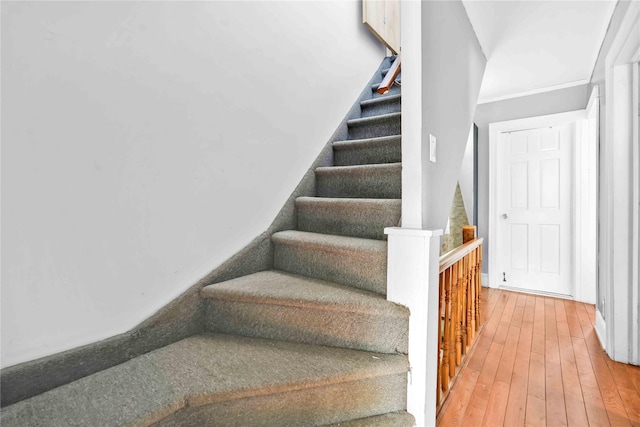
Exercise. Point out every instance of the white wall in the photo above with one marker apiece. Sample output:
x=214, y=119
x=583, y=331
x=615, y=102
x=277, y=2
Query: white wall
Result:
x=452, y=74
x=466, y=177
x=144, y=143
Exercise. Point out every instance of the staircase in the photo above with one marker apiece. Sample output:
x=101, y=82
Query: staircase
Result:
x=311, y=342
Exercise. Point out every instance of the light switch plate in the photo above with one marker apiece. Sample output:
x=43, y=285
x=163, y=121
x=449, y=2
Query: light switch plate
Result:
x=432, y=148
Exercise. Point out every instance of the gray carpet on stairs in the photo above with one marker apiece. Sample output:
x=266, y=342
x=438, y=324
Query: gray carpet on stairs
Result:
x=312, y=341
x=347, y=217
x=228, y=381
x=283, y=306
x=386, y=149
x=379, y=181
x=361, y=263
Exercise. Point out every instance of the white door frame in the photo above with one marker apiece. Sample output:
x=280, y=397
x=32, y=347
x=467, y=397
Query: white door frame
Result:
x=620, y=196
x=495, y=129
x=586, y=202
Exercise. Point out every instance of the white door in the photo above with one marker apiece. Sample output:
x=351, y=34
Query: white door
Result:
x=534, y=205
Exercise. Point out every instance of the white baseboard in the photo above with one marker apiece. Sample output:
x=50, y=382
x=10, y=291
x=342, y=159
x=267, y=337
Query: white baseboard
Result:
x=601, y=330
x=485, y=280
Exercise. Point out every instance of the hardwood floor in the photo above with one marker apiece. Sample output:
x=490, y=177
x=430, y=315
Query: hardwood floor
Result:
x=538, y=362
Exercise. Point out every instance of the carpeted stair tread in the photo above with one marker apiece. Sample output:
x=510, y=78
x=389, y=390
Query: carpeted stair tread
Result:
x=370, y=127
x=383, y=105
x=226, y=376
x=352, y=261
x=393, y=419
x=284, y=306
x=379, y=181
x=385, y=149
x=348, y=216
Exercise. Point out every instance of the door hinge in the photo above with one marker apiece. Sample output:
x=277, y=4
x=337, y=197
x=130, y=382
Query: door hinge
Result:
x=504, y=276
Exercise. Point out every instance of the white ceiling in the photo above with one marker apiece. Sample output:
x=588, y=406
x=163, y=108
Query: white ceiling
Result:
x=536, y=46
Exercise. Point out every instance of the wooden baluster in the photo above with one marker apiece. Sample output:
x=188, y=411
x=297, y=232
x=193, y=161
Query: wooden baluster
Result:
x=479, y=288
x=469, y=299
x=472, y=298
x=445, y=344
x=453, y=328
x=440, y=326
x=457, y=306
x=463, y=285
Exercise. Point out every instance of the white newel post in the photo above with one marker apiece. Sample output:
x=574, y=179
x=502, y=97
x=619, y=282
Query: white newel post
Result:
x=412, y=281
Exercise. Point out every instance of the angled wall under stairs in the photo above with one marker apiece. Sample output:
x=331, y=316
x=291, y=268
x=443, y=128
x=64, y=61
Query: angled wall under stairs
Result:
x=295, y=330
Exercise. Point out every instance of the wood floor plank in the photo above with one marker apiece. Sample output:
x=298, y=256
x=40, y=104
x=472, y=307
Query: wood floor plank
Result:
x=561, y=312
x=501, y=333
x=552, y=351
x=538, y=321
x=554, y=394
x=593, y=402
x=517, y=404
x=594, y=406
x=458, y=399
x=529, y=309
x=634, y=374
x=537, y=343
x=518, y=315
x=537, y=362
x=588, y=331
x=522, y=300
x=631, y=401
x=488, y=303
x=609, y=392
x=551, y=331
x=524, y=341
x=477, y=406
x=572, y=319
x=536, y=386
x=479, y=354
x=576, y=413
x=494, y=321
x=593, y=343
x=535, y=415
x=497, y=405
x=621, y=374
x=509, y=307
x=505, y=369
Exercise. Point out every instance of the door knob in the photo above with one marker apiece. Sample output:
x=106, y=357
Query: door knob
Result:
x=505, y=216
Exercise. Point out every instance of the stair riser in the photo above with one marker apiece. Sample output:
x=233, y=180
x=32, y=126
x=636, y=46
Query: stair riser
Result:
x=305, y=407
x=378, y=184
x=308, y=325
x=370, y=110
x=384, y=126
x=390, y=152
x=361, y=269
x=365, y=220
x=394, y=90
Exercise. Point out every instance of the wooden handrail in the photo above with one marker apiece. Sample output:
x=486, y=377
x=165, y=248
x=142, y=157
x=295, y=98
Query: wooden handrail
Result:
x=388, y=80
x=450, y=258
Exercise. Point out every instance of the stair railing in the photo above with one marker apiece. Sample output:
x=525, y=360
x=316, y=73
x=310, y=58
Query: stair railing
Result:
x=459, y=310
x=390, y=78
